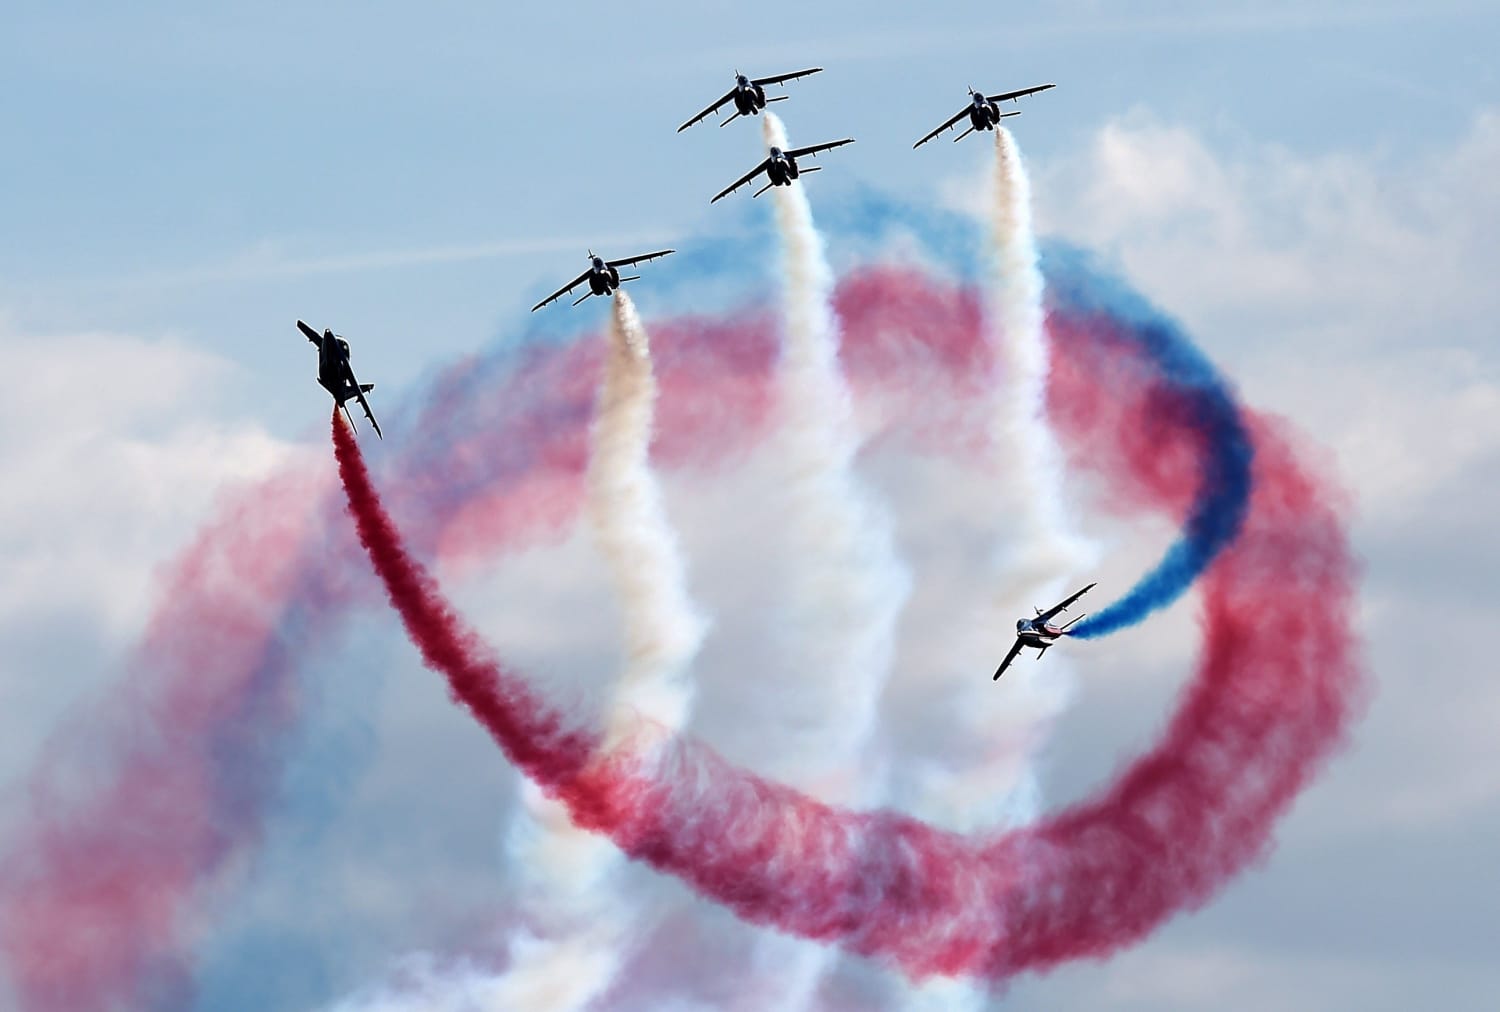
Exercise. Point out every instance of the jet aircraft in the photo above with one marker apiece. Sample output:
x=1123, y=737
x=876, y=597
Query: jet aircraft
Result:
x=781, y=167
x=749, y=96
x=983, y=112
x=337, y=376
x=1036, y=632
x=603, y=276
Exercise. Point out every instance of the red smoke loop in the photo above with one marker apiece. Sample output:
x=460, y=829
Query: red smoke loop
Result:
x=1270, y=699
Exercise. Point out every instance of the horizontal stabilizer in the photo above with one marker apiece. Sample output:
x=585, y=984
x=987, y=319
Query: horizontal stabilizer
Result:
x=779, y=98
x=811, y=168
x=1071, y=621
x=726, y=122
x=365, y=388
x=1007, y=115
x=582, y=297
x=633, y=277
x=963, y=135
x=763, y=189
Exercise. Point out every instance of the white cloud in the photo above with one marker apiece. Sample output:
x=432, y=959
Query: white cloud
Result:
x=110, y=464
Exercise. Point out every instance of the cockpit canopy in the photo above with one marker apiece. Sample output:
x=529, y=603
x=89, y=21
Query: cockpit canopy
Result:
x=1021, y=624
x=598, y=263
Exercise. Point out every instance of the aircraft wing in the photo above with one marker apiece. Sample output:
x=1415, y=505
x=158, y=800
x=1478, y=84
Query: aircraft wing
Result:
x=359, y=395
x=707, y=112
x=946, y=126
x=1008, y=658
x=312, y=335
x=783, y=78
x=639, y=259
x=815, y=148
x=1062, y=605
x=742, y=180
x=564, y=290
x=1009, y=95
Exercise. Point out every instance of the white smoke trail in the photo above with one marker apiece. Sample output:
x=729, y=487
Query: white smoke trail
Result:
x=981, y=737
x=1023, y=436
x=577, y=918
x=846, y=586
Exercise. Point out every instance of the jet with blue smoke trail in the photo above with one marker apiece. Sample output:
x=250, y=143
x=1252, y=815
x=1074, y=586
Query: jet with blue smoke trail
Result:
x=1038, y=632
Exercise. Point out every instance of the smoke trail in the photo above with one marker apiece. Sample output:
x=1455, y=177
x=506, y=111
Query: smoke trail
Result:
x=1271, y=698
x=846, y=587
x=1035, y=550
x=577, y=919
x=1201, y=403
x=1030, y=457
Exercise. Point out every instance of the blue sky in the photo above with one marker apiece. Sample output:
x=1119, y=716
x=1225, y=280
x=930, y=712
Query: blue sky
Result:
x=1311, y=188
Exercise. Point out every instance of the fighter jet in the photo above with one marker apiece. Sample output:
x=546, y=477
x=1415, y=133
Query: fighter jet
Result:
x=1035, y=632
x=603, y=276
x=337, y=376
x=983, y=112
x=749, y=96
x=781, y=167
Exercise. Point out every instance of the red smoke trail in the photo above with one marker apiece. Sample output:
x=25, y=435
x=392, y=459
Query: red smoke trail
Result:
x=1269, y=701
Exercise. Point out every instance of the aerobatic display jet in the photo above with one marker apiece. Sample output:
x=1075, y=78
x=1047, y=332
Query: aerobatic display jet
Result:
x=781, y=167
x=1035, y=632
x=603, y=276
x=336, y=375
x=983, y=112
x=749, y=96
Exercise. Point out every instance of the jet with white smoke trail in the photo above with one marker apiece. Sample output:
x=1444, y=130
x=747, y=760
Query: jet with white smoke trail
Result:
x=577, y=919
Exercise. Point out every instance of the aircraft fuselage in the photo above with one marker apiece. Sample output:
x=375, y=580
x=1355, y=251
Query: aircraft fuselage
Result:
x=603, y=279
x=1038, y=634
x=333, y=366
x=783, y=168
x=749, y=97
x=983, y=114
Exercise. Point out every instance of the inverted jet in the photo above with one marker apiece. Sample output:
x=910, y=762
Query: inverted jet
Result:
x=781, y=167
x=603, y=276
x=748, y=96
x=1038, y=633
x=336, y=375
x=983, y=112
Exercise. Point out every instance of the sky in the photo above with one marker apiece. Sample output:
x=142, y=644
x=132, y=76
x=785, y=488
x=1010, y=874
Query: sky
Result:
x=1310, y=188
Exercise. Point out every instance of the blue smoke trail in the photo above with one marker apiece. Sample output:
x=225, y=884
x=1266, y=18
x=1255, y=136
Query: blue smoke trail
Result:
x=1223, y=495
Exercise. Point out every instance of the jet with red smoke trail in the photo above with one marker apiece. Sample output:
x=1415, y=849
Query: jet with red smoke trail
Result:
x=1038, y=633
x=781, y=167
x=749, y=96
x=983, y=112
x=336, y=375
x=603, y=276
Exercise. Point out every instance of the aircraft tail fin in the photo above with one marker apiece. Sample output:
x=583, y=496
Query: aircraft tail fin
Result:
x=1043, y=650
x=365, y=388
